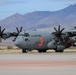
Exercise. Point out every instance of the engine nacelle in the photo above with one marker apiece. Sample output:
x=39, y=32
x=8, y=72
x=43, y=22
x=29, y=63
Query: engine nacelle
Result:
x=51, y=45
x=64, y=36
x=73, y=40
x=60, y=48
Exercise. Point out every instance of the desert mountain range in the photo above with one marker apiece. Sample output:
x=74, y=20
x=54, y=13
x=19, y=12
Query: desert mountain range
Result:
x=41, y=19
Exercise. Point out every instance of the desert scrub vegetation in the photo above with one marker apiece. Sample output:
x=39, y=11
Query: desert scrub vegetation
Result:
x=9, y=47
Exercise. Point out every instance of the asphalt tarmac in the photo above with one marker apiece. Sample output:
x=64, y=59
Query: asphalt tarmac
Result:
x=38, y=64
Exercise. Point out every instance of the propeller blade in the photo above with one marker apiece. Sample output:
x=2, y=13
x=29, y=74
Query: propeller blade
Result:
x=55, y=29
x=21, y=29
x=59, y=28
x=62, y=29
x=1, y=34
x=3, y=30
x=17, y=29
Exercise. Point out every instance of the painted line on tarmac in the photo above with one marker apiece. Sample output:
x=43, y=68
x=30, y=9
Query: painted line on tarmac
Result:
x=37, y=63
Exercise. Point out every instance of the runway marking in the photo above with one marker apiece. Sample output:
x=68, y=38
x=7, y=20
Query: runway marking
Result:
x=37, y=63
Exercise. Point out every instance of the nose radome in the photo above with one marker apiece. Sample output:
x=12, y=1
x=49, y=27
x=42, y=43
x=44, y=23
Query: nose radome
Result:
x=17, y=43
x=20, y=42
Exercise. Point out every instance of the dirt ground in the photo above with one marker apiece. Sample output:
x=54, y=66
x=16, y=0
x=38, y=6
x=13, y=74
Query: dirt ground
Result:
x=34, y=63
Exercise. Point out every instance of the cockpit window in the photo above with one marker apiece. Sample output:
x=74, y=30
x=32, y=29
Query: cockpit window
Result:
x=21, y=34
x=26, y=34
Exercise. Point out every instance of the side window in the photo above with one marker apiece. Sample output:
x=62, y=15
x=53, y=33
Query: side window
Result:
x=26, y=39
x=26, y=35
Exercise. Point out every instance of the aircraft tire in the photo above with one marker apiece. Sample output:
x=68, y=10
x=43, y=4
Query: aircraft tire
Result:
x=58, y=50
x=44, y=51
x=24, y=51
x=61, y=50
x=40, y=51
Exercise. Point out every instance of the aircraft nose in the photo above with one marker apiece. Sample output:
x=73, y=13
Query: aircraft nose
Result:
x=17, y=43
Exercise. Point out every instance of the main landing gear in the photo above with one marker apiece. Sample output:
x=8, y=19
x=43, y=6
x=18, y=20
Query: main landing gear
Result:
x=24, y=51
x=40, y=51
x=59, y=50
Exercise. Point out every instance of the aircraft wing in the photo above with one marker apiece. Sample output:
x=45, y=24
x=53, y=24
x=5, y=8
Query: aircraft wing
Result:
x=5, y=35
x=71, y=33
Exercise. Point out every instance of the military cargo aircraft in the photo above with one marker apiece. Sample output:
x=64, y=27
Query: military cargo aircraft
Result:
x=29, y=40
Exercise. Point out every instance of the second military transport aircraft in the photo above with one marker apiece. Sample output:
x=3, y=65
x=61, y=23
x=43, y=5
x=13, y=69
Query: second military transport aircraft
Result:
x=29, y=40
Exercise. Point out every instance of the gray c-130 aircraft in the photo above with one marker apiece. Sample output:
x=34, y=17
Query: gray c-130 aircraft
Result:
x=29, y=40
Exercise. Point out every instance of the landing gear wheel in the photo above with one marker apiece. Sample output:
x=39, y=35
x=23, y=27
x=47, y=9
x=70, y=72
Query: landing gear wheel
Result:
x=24, y=51
x=44, y=51
x=40, y=51
x=58, y=50
x=61, y=50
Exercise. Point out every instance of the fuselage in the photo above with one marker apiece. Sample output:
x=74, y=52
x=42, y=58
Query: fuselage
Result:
x=33, y=40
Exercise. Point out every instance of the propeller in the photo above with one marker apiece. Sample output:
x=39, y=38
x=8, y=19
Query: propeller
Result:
x=19, y=30
x=17, y=33
x=58, y=33
x=1, y=33
x=60, y=39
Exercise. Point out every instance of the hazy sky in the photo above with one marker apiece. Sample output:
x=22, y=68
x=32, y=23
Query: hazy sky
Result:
x=10, y=7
